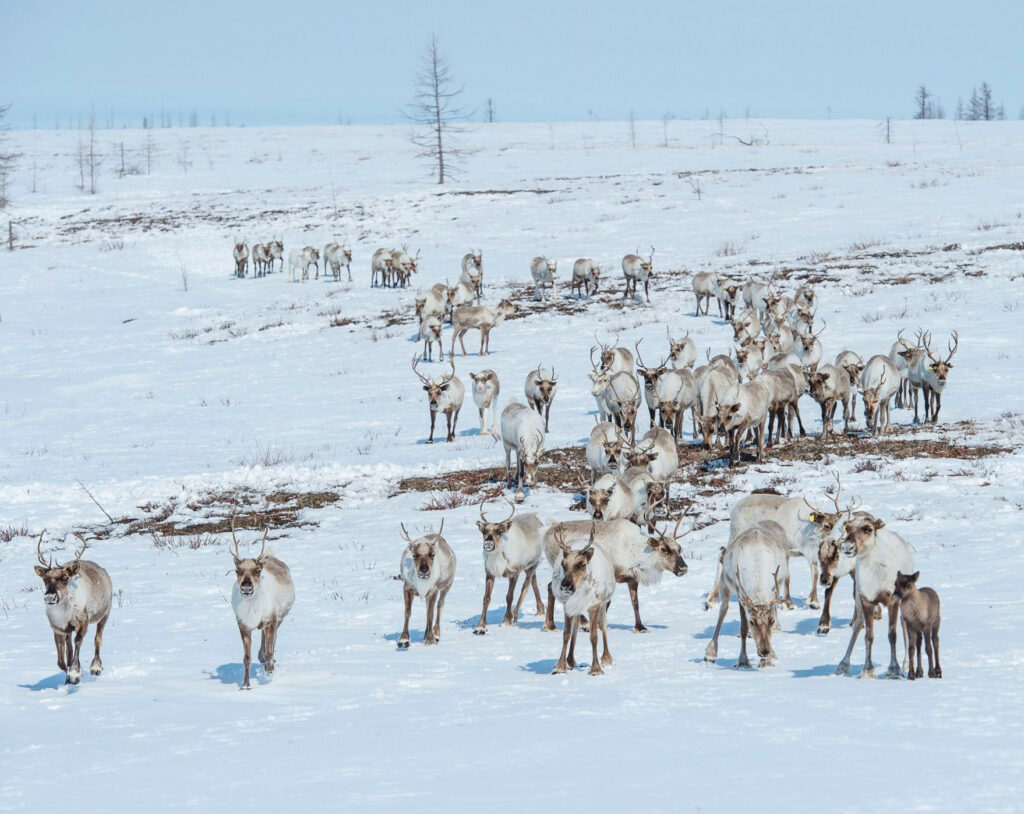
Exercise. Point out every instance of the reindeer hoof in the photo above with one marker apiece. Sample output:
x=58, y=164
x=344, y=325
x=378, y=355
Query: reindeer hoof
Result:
x=744, y=662
x=595, y=670
x=429, y=640
x=508, y=622
x=548, y=628
x=843, y=669
x=823, y=630
x=244, y=687
x=606, y=660
x=936, y=673
x=867, y=672
x=430, y=440
x=268, y=667
x=894, y=672
x=96, y=670
x=559, y=669
x=403, y=644
x=639, y=629
x=911, y=676
x=479, y=631
x=766, y=663
x=813, y=604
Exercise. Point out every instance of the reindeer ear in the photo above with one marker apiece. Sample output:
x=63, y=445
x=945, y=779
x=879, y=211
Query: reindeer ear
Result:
x=481, y=525
x=914, y=576
x=879, y=523
x=426, y=387
x=72, y=567
x=40, y=570
x=588, y=552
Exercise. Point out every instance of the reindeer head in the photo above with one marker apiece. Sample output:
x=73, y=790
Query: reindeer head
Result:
x=905, y=583
x=640, y=456
x=647, y=266
x=599, y=382
x=545, y=385
x=55, y=576
x=431, y=328
x=277, y=246
x=650, y=375
x=615, y=451
x=248, y=569
x=435, y=389
x=739, y=327
x=828, y=527
x=729, y=415
x=595, y=275
x=483, y=382
x=239, y=247
x=574, y=563
x=761, y=617
x=627, y=412
x=853, y=370
x=530, y=459
x=657, y=492
x=872, y=397
x=494, y=532
x=939, y=367
x=676, y=347
x=665, y=545
x=860, y=530
x=708, y=424
x=817, y=382
x=599, y=498
x=423, y=551
x=506, y=308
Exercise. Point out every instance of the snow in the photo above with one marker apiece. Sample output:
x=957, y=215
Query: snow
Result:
x=117, y=379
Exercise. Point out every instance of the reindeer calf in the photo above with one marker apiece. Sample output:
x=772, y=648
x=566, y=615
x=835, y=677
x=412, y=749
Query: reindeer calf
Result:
x=919, y=608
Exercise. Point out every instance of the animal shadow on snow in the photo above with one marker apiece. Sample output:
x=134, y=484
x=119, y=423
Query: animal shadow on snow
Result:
x=52, y=682
x=495, y=617
x=806, y=627
x=542, y=667
x=233, y=673
x=811, y=672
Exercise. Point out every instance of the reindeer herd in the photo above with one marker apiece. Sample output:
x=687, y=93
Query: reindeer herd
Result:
x=747, y=396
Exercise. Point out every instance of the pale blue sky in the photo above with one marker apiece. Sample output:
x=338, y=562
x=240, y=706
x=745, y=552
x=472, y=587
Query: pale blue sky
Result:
x=307, y=61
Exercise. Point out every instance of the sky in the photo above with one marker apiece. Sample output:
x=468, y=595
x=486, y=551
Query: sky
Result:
x=318, y=62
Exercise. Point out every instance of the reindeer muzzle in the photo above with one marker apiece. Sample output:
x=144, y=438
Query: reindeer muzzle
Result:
x=50, y=599
x=825, y=579
x=567, y=586
x=245, y=590
x=681, y=568
x=423, y=574
x=488, y=545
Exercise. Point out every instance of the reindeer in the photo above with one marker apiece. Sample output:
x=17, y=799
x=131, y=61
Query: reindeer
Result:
x=676, y=391
x=541, y=386
x=878, y=383
x=657, y=452
x=523, y=432
x=753, y=565
x=586, y=274
x=705, y=286
x=919, y=609
x=854, y=366
x=933, y=377
x=637, y=270
x=713, y=385
x=260, y=259
x=743, y=408
x=544, y=273
x=434, y=303
x=750, y=357
x=381, y=266
x=336, y=255
x=807, y=299
x=403, y=265
x=650, y=375
x=428, y=570
x=584, y=582
x=880, y=555
x=613, y=357
x=809, y=351
x=727, y=292
x=444, y=396
x=511, y=547
x=473, y=272
x=241, y=255
x=755, y=295
x=606, y=450
x=608, y=498
x=430, y=333
x=302, y=260
x=485, y=393
x=636, y=558
x=746, y=325
x=485, y=318
x=681, y=352
x=649, y=496
x=261, y=597
x=275, y=248
x=901, y=360
x=458, y=295
x=829, y=386
x=623, y=399
x=77, y=594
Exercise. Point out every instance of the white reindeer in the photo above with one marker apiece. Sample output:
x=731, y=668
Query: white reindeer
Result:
x=522, y=432
x=540, y=389
x=484, y=318
x=586, y=274
x=428, y=570
x=335, y=256
x=430, y=333
x=545, y=274
x=705, y=286
x=636, y=270
x=486, y=388
x=241, y=255
x=511, y=547
x=299, y=261
x=878, y=384
x=754, y=565
x=261, y=597
x=443, y=396
x=382, y=265
x=473, y=272
x=681, y=352
x=77, y=594
x=606, y=450
x=829, y=386
x=880, y=555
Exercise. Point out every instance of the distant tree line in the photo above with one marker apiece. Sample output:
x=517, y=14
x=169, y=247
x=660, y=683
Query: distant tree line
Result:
x=979, y=107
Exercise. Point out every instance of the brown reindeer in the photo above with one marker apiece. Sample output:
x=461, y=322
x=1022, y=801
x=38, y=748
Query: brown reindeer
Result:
x=76, y=594
x=919, y=608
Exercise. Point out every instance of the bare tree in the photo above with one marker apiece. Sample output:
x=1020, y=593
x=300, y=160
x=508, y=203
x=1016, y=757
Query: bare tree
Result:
x=435, y=111
x=91, y=156
x=489, y=111
x=8, y=159
x=923, y=103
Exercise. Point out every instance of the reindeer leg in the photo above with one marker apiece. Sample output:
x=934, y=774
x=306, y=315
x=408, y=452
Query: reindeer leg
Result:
x=894, y=670
x=269, y=642
x=522, y=596
x=812, y=600
x=606, y=657
x=75, y=666
x=428, y=634
x=58, y=640
x=246, y=654
x=481, y=626
x=547, y=416
x=509, y=620
x=536, y=592
x=462, y=342
x=711, y=653
x=562, y=665
x=96, y=667
x=549, y=617
x=868, y=613
x=440, y=607
x=571, y=660
x=433, y=419
x=638, y=626
x=743, y=661
x=932, y=638
x=825, y=621
x=595, y=624
x=403, y=640
x=858, y=623
x=451, y=426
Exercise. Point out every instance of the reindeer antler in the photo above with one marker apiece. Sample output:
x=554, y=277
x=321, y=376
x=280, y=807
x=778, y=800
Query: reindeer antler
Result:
x=405, y=534
x=953, y=346
x=233, y=537
x=85, y=545
x=484, y=517
x=415, y=361
x=39, y=552
x=640, y=358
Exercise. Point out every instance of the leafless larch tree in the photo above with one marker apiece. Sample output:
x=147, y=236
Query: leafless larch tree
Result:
x=435, y=112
